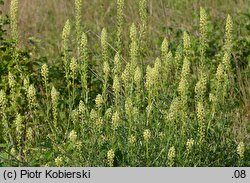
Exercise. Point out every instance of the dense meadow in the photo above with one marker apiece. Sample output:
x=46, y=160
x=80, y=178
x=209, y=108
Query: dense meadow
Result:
x=125, y=83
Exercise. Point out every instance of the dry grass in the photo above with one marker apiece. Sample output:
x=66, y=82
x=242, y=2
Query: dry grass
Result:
x=44, y=19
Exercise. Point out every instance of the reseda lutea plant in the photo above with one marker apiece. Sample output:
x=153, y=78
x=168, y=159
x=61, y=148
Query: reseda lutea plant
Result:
x=177, y=110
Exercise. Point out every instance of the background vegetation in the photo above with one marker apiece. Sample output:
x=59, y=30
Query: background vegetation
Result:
x=74, y=97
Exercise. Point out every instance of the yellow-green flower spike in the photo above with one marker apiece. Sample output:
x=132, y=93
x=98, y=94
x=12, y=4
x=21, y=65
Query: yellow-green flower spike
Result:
x=203, y=24
x=32, y=95
x=54, y=100
x=59, y=161
x=201, y=87
x=78, y=17
x=104, y=44
x=143, y=14
x=201, y=120
x=116, y=85
x=117, y=65
x=3, y=100
x=228, y=33
x=120, y=22
x=138, y=77
x=73, y=136
x=98, y=101
x=186, y=44
x=65, y=35
x=110, y=157
x=11, y=79
x=45, y=73
x=164, y=48
x=171, y=156
x=73, y=67
x=189, y=145
x=146, y=135
x=115, y=120
x=133, y=47
x=14, y=19
x=241, y=150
